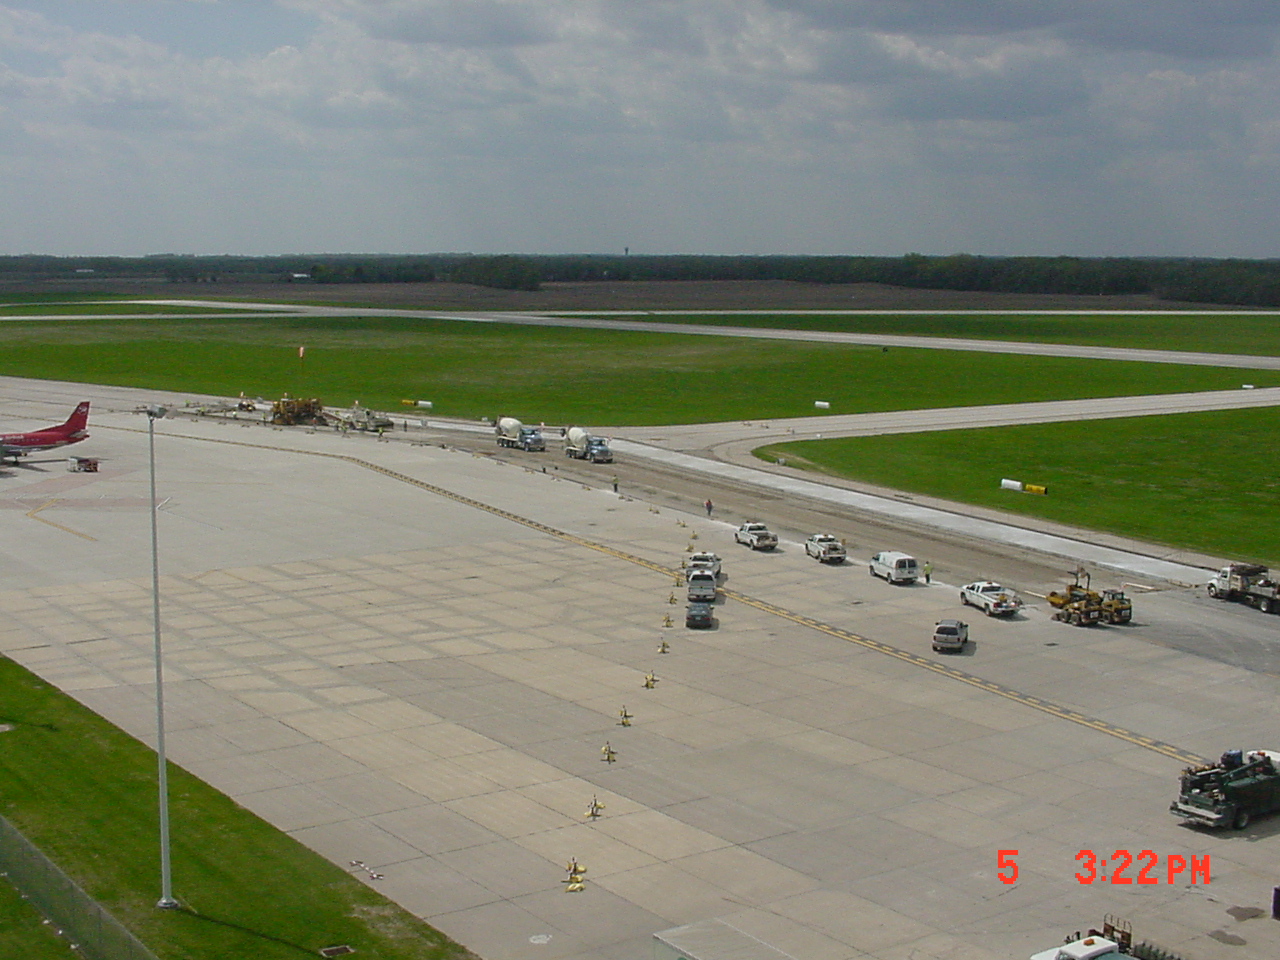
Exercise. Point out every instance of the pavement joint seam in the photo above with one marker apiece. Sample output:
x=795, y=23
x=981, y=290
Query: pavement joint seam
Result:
x=1036, y=703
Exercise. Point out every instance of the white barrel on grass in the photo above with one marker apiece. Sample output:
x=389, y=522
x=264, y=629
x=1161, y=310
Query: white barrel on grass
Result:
x=1011, y=484
x=822, y=404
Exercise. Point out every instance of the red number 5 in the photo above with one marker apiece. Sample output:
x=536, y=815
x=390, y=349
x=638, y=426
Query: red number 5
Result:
x=1004, y=860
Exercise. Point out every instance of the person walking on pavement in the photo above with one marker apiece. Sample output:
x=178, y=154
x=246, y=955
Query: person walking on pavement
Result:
x=928, y=571
x=615, y=484
x=708, y=506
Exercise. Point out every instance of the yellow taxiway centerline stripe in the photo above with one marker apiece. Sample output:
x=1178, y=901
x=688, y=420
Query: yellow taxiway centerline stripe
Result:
x=50, y=503
x=1035, y=703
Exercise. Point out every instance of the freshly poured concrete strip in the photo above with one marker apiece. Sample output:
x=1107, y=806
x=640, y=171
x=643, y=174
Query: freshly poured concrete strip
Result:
x=1134, y=564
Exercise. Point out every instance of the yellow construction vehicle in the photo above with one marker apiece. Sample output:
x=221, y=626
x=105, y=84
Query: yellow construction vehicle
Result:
x=1077, y=604
x=1116, y=607
x=1081, y=605
x=290, y=411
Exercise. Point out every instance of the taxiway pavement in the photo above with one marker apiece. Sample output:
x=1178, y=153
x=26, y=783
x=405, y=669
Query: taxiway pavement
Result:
x=412, y=656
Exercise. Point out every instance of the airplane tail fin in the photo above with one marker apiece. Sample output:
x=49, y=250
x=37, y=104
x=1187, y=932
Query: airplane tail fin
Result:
x=78, y=420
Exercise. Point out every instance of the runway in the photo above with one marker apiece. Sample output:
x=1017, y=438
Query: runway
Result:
x=615, y=321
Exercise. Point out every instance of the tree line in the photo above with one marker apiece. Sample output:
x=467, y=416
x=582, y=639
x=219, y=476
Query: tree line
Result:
x=1234, y=282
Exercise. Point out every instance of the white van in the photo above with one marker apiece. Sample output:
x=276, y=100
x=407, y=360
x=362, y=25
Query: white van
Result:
x=895, y=567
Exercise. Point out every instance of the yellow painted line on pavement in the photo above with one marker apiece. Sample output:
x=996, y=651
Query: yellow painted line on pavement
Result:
x=906, y=656
x=999, y=689
x=52, y=523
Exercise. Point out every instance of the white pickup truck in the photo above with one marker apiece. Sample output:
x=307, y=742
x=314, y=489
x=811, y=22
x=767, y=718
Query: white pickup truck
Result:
x=991, y=598
x=756, y=536
x=707, y=561
x=701, y=585
x=825, y=548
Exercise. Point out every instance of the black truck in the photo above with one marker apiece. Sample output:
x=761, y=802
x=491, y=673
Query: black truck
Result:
x=1240, y=786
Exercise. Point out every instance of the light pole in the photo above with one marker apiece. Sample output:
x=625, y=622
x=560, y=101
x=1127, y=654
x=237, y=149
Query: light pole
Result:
x=166, y=900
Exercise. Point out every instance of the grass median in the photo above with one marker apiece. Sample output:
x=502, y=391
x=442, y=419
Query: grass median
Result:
x=1249, y=333
x=85, y=793
x=560, y=375
x=1204, y=481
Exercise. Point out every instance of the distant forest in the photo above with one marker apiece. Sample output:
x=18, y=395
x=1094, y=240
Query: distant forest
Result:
x=1235, y=282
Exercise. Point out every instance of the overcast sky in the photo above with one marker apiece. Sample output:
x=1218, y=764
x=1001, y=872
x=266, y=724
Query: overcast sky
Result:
x=882, y=127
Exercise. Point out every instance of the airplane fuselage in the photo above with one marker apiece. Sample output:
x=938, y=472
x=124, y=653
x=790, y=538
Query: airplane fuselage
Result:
x=24, y=443
x=73, y=431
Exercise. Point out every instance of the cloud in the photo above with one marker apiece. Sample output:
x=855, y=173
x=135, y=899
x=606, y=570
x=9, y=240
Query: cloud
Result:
x=703, y=125
x=1180, y=28
x=452, y=23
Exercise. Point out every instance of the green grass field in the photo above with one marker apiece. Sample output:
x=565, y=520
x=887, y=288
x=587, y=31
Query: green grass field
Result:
x=85, y=793
x=1256, y=334
x=607, y=377
x=557, y=375
x=1202, y=481
x=23, y=932
x=69, y=308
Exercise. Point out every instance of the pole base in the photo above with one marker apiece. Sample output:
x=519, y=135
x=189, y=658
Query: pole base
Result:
x=168, y=903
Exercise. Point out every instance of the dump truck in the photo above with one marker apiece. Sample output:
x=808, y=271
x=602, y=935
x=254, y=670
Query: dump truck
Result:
x=1242, y=785
x=1249, y=583
x=291, y=411
x=581, y=445
x=512, y=433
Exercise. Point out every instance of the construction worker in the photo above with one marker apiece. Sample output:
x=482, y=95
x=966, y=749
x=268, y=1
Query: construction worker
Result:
x=928, y=571
x=708, y=505
x=615, y=484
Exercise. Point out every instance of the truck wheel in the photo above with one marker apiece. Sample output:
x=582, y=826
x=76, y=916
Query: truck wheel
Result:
x=1240, y=820
x=964, y=601
x=1265, y=605
x=871, y=570
x=1213, y=590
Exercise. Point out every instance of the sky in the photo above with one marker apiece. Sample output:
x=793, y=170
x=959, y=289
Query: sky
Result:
x=853, y=127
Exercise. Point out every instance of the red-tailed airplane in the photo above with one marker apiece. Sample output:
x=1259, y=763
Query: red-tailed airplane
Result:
x=73, y=431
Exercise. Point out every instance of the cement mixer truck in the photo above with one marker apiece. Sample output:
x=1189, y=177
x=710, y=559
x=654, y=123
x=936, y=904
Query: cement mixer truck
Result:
x=581, y=445
x=512, y=433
